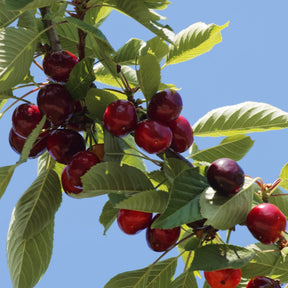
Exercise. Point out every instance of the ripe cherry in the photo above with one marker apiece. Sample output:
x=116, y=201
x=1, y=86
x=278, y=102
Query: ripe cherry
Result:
x=160, y=240
x=165, y=106
x=263, y=282
x=182, y=133
x=132, y=222
x=225, y=176
x=68, y=187
x=225, y=278
x=62, y=144
x=120, y=118
x=153, y=136
x=80, y=163
x=59, y=64
x=55, y=101
x=266, y=223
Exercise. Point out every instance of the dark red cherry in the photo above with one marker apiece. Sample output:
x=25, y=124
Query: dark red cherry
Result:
x=59, y=64
x=80, y=163
x=225, y=176
x=68, y=187
x=225, y=278
x=165, y=106
x=266, y=223
x=182, y=133
x=62, y=144
x=55, y=101
x=120, y=118
x=263, y=282
x=160, y=240
x=153, y=136
x=132, y=221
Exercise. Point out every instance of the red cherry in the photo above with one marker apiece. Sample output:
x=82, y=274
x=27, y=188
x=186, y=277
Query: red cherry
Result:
x=120, y=118
x=62, y=144
x=182, y=133
x=59, y=64
x=225, y=176
x=225, y=278
x=80, y=163
x=165, y=106
x=263, y=282
x=66, y=184
x=55, y=101
x=266, y=223
x=132, y=222
x=160, y=240
x=153, y=136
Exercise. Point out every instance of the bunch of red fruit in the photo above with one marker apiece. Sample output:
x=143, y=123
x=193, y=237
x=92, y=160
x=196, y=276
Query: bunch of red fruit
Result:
x=164, y=128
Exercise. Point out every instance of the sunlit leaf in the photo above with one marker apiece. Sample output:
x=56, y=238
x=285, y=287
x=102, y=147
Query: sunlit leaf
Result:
x=6, y=174
x=108, y=215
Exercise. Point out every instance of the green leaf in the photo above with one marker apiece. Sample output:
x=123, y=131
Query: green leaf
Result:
x=6, y=174
x=149, y=75
x=27, y=4
x=109, y=177
x=280, y=201
x=7, y=17
x=284, y=177
x=81, y=78
x=241, y=118
x=221, y=256
x=183, y=205
x=97, y=15
x=28, y=20
x=158, y=47
x=195, y=40
x=223, y=212
x=233, y=147
x=108, y=215
x=16, y=55
x=185, y=280
x=28, y=259
x=157, y=4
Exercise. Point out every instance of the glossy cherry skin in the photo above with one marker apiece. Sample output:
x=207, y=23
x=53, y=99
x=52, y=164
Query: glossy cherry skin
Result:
x=266, y=223
x=120, y=118
x=80, y=163
x=58, y=65
x=153, y=136
x=263, y=282
x=68, y=187
x=55, y=101
x=225, y=278
x=131, y=222
x=225, y=176
x=182, y=134
x=165, y=106
x=62, y=144
x=160, y=240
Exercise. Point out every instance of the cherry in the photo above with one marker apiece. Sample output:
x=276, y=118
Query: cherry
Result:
x=160, y=240
x=68, y=187
x=182, y=133
x=55, y=101
x=62, y=144
x=165, y=106
x=225, y=176
x=120, y=118
x=266, y=223
x=225, y=278
x=59, y=64
x=263, y=282
x=80, y=163
x=153, y=136
x=132, y=222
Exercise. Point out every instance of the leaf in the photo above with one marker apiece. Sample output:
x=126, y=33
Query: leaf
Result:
x=158, y=47
x=221, y=256
x=233, y=147
x=149, y=75
x=183, y=205
x=97, y=15
x=7, y=17
x=6, y=174
x=81, y=78
x=241, y=118
x=16, y=55
x=108, y=215
x=109, y=177
x=27, y=4
x=28, y=259
x=223, y=212
x=185, y=280
x=284, y=177
x=280, y=201
x=195, y=40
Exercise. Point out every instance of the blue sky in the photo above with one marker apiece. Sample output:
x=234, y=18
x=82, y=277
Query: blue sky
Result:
x=251, y=64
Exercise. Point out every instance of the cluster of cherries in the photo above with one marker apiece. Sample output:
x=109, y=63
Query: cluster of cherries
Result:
x=164, y=128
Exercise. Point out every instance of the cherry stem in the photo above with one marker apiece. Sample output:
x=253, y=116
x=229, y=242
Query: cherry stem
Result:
x=228, y=236
x=38, y=65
